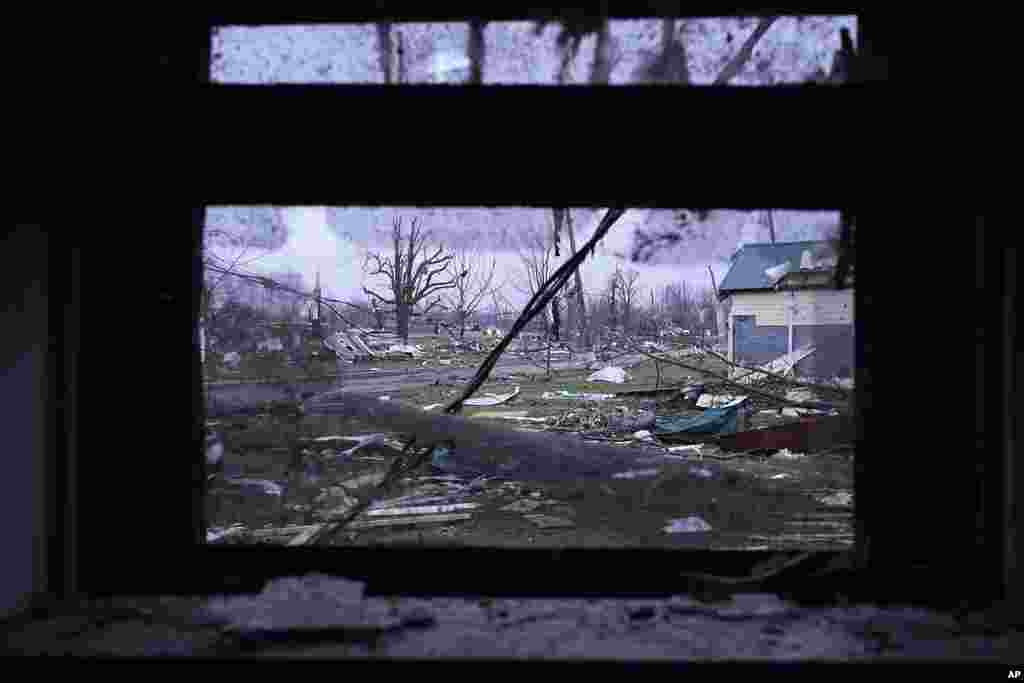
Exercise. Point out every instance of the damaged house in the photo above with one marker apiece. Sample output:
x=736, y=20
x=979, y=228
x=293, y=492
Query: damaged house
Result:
x=783, y=300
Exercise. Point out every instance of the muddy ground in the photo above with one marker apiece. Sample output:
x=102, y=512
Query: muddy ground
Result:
x=770, y=501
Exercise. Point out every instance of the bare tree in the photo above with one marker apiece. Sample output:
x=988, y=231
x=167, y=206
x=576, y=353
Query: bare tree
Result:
x=410, y=273
x=473, y=276
x=629, y=293
x=536, y=254
x=229, y=245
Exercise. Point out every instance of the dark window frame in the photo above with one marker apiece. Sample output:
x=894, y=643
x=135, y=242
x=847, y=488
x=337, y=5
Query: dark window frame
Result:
x=175, y=560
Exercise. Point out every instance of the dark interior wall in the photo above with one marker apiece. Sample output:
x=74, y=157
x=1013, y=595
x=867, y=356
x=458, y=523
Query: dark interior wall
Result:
x=24, y=356
x=759, y=343
x=834, y=354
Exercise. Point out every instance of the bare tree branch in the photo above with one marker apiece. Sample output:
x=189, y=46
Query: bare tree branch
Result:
x=378, y=297
x=732, y=383
x=410, y=271
x=536, y=304
x=743, y=56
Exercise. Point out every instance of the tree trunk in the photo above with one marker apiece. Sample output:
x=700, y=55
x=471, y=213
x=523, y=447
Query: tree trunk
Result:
x=581, y=310
x=602, y=67
x=476, y=51
x=402, y=319
x=612, y=310
x=384, y=50
x=555, y=318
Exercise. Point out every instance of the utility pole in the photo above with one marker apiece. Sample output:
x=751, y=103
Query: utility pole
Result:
x=581, y=308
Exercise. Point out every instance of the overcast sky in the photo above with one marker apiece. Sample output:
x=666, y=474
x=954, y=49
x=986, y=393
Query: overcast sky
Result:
x=335, y=240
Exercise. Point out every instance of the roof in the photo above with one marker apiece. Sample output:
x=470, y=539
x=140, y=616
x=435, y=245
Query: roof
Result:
x=750, y=262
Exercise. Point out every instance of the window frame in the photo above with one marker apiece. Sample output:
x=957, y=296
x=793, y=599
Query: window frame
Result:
x=227, y=569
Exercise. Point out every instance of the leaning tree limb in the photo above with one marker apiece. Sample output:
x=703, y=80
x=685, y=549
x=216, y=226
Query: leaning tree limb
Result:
x=781, y=378
x=818, y=405
x=541, y=298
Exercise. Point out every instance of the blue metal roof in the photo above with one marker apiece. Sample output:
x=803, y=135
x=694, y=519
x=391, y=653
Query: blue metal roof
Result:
x=747, y=271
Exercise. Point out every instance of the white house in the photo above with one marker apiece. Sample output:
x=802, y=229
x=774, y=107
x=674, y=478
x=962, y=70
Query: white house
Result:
x=783, y=299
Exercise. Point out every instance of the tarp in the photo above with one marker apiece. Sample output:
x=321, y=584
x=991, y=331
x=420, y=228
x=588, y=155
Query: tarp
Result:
x=712, y=421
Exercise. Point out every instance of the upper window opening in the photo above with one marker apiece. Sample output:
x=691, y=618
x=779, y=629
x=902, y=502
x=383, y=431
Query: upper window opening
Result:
x=754, y=51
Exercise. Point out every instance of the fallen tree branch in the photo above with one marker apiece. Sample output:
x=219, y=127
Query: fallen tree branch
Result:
x=398, y=468
x=536, y=304
x=817, y=405
x=781, y=378
x=724, y=581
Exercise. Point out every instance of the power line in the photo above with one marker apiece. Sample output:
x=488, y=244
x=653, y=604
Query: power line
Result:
x=270, y=283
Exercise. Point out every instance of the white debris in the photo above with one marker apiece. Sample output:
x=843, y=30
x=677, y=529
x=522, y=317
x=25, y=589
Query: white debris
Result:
x=432, y=406
x=719, y=400
x=686, y=525
x=562, y=394
x=643, y=434
x=412, y=520
x=214, y=450
x=789, y=455
x=692, y=448
x=799, y=395
x=445, y=361
x=232, y=359
x=491, y=399
x=214, y=534
x=781, y=475
x=385, y=398
x=782, y=365
x=776, y=272
x=611, y=373
x=701, y=472
x=362, y=441
x=839, y=498
x=421, y=510
x=635, y=474
x=414, y=351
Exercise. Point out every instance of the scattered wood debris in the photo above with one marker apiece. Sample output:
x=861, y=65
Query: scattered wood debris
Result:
x=410, y=521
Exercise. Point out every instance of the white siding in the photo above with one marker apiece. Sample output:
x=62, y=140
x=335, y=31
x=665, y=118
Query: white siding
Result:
x=768, y=308
x=818, y=307
x=797, y=307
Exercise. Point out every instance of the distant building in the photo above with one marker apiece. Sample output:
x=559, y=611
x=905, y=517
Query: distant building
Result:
x=783, y=299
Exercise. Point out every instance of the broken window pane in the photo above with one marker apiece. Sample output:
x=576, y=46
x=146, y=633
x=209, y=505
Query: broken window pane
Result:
x=737, y=51
x=627, y=412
